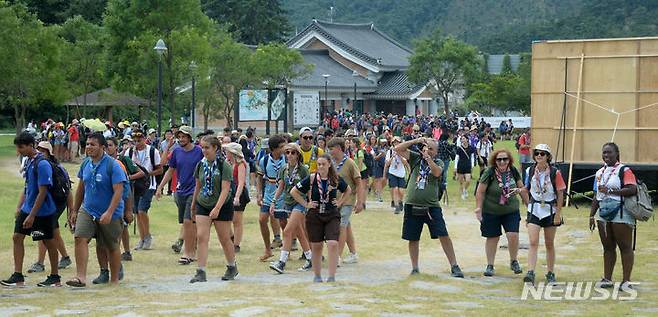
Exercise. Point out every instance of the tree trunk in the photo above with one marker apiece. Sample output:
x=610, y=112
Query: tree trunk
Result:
x=227, y=111
x=446, y=107
x=17, y=119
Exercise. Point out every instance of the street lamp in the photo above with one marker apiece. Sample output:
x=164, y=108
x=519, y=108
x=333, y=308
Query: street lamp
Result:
x=355, y=74
x=160, y=48
x=193, y=68
x=326, y=96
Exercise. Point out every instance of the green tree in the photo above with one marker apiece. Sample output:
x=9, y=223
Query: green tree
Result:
x=507, y=65
x=30, y=62
x=278, y=65
x=444, y=63
x=252, y=21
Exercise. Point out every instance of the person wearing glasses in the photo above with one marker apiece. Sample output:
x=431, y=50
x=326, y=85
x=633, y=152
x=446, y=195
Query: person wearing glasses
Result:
x=497, y=206
x=310, y=152
x=546, y=187
x=289, y=176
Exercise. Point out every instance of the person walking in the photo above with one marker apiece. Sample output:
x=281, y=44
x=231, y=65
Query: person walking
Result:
x=464, y=166
x=35, y=214
x=422, y=204
x=497, y=206
x=396, y=168
x=235, y=157
x=310, y=152
x=613, y=182
x=268, y=170
x=212, y=203
x=98, y=209
x=546, y=186
x=524, y=147
x=182, y=163
x=323, y=218
x=289, y=176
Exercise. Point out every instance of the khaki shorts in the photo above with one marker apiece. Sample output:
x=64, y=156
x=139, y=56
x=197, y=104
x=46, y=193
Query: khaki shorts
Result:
x=107, y=236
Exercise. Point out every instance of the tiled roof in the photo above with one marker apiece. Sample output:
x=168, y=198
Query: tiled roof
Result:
x=495, y=63
x=341, y=76
x=363, y=41
x=394, y=85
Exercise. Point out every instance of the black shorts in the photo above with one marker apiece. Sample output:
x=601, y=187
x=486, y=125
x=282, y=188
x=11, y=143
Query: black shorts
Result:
x=184, y=204
x=58, y=214
x=365, y=174
x=323, y=226
x=225, y=214
x=412, y=226
x=42, y=227
x=544, y=223
x=252, y=167
x=491, y=224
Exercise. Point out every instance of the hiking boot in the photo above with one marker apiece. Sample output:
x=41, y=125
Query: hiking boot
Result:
x=530, y=277
x=331, y=279
x=177, y=246
x=605, y=283
x=294, y=245
x=140, y=245
x=236, y=249
x=15, y=280
x=414, y=272
x=103, y=277
x=276, y=243
x=231, y=273
x=53, y=280
x=456, y=271
x=126, y=256
x=200, y=276
x=515, y=267
x=352, y=258
x=550, y=278
x=278, y=266
x=489, y=271
x=317, y=279
x=36, y=268
x=306, y=267
x=64, y=262
x=148, y=240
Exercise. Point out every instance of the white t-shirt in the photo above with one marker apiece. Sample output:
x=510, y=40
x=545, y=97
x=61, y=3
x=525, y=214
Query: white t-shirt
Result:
x=484, y=148
x=396, y=168
x=608, y=176
x=142, y=158
x=549, y=194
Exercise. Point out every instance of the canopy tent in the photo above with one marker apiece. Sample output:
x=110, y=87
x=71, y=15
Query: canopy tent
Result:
x=107, y=98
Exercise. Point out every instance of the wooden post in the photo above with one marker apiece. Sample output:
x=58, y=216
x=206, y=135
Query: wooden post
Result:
x=575, y=122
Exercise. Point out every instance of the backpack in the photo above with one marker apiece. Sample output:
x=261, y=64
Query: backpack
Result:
x=638, y=205
x=141, y=185
x=61, y=187
x=553, y=174
x=368, y=159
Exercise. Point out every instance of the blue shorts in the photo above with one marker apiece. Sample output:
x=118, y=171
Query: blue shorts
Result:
x=394, y=181
x=143, y=203
x=491, y=224
x=278, y=213
x=296, y=207
x=412, y=226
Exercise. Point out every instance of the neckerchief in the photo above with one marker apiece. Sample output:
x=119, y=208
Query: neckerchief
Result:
x=423, y=170
x=323, y=189
x=541, y=187
x=600, y=180
x=340, y=165
x=503, y=182
x=292, y=174
x=208, y=181
x=277, y=166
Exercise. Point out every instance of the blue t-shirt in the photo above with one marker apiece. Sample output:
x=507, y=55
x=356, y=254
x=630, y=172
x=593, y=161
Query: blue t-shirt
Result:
x=271, y=176
x=32, y=183
x=98, y=186
x=185, y=163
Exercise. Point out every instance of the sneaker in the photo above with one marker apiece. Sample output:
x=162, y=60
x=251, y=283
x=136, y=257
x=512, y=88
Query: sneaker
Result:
x=53, y=280
x=294, y=245
x=625, y=286
x=489, y=271
x=401, y=206
x=530, y=277
x=306, y=267
x=231, y=273
x=140, y=245
x=177, y=246
x=16, y=279
x=604, y=283
x=36, y=268
x=200, y=276
x=126, y=256
x=276, y=243
x=302, y=257
x=148, y=240
x=550, y=278
x=236, y=249
x=456, y=271
x=317, y=279
x=352, y=258
x=414, y=272
x=278, y=266
x=392, y=204
x=64, y=262
x=397, y=210
x=331, y=279
x=515, y=267
x=103, y=277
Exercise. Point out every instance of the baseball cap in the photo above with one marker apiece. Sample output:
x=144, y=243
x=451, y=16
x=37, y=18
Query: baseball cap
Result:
x=305, y=129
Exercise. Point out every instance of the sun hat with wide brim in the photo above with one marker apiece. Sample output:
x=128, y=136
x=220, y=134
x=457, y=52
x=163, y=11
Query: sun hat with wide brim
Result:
x=185, y=129
x=294, y=147
x=544, y=147
x=233, y=148
x=46, y=146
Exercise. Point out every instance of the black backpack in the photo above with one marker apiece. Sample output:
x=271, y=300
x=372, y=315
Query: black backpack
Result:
x=141, y=185
x=368, y=160
x=61, y=187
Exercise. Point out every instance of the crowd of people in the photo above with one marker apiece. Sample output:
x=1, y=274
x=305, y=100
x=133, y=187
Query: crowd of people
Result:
x=307, y=188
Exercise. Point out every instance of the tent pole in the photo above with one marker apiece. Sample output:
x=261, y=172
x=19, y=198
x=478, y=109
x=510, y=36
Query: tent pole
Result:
x=575, y=122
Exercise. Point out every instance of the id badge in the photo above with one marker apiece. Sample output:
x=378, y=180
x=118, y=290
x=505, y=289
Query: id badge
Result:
x=322, y=208
x=421, y=183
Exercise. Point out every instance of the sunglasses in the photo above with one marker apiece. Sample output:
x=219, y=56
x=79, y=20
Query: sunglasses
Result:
x=502, y=159
x=540, y=153
x=308, y=137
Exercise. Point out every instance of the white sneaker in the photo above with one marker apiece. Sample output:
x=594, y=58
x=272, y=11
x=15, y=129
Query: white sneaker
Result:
x=351, y=259
x=148, y=240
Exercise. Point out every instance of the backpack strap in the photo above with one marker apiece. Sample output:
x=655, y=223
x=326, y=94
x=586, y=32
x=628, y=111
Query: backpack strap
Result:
x=152, y=156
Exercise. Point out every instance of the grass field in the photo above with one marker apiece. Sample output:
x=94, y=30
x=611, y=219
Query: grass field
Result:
x=379, y=285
